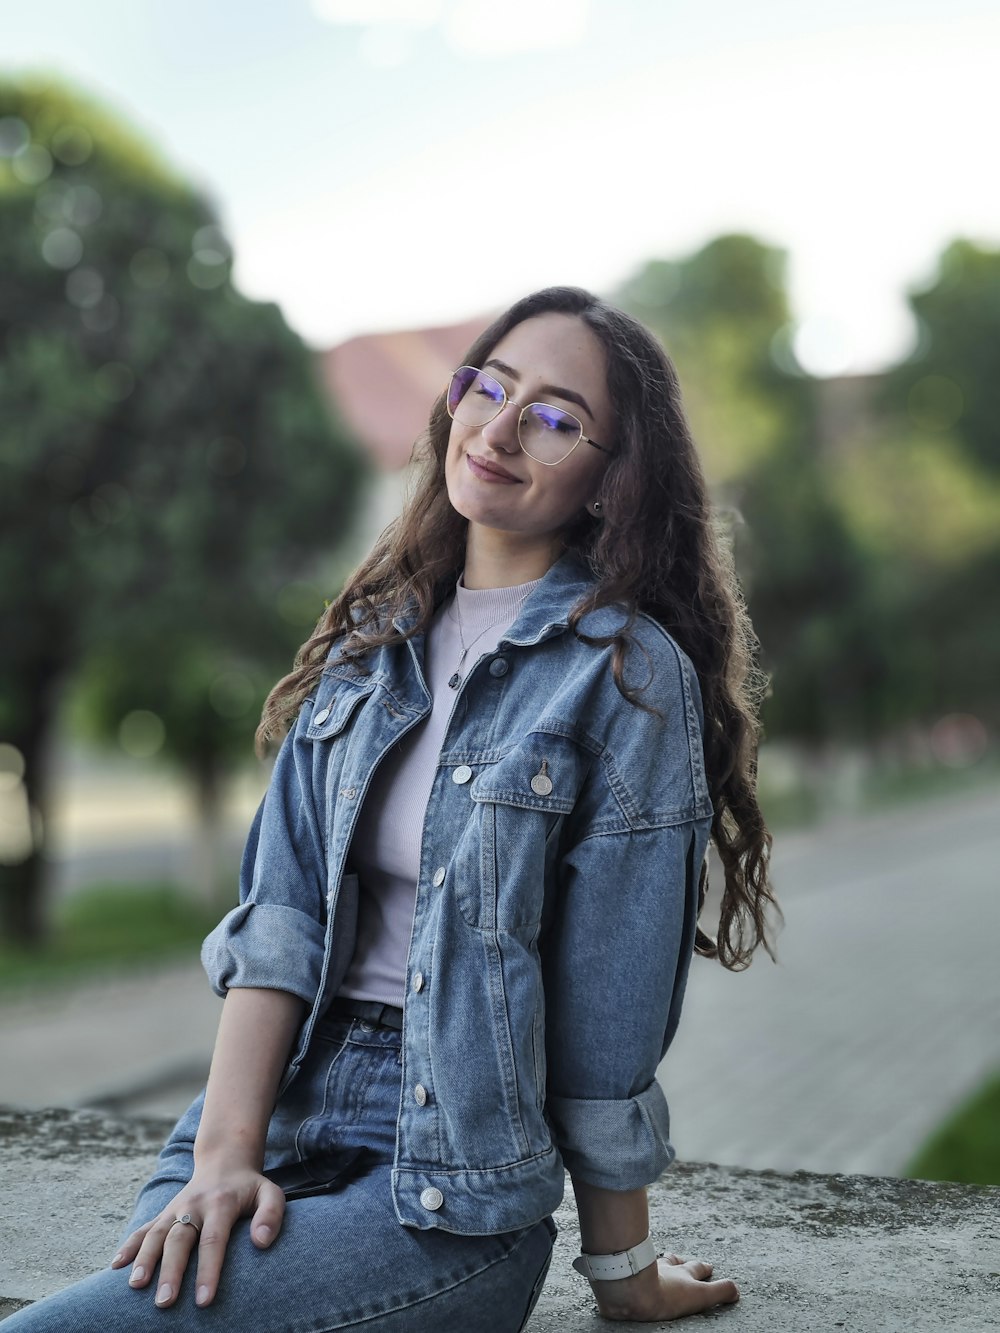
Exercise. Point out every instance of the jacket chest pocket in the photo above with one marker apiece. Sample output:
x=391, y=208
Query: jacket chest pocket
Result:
x=521, y=801
x=337, y=699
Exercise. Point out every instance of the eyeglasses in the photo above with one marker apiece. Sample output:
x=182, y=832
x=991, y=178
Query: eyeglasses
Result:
x=546, y=434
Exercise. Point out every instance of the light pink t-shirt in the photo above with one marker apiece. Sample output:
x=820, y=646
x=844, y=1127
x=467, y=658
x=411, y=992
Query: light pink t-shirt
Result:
x=385, y=849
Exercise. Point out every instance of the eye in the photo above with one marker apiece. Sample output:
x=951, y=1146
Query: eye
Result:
x=489, y=388
x=554, y=419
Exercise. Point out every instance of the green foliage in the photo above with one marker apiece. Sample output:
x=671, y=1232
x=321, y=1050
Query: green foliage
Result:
x=109, y=927
x=869, y=559
x=723, y=315
x=967, y=1146
x=171, y=475
x=950, y=382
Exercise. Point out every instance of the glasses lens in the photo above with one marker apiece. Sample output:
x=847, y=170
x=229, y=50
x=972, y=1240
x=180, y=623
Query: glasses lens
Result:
x=549, y=433
x=473, y=397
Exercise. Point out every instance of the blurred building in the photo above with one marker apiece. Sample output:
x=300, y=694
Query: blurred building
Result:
x=383, y=385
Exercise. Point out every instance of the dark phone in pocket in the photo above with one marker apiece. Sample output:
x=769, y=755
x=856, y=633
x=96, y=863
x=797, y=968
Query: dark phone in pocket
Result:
x=323, y=1174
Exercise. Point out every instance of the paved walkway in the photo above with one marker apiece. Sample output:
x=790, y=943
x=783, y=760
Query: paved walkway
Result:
x=880, y=1016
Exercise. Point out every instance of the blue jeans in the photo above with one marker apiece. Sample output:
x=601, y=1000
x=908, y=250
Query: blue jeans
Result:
x=342, y=1259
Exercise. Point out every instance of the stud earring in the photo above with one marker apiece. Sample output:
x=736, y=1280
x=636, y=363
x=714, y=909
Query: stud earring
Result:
x=597, y=507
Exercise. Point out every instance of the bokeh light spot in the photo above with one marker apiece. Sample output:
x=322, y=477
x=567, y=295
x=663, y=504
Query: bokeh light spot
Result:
x=11, y=766
x=84, y=287
x=72, y=145
x=141, y=733
x=14, y=135
x=210, y=245
x=62, y=248
x=822, y=346
x=935, y=402
x=958, y=740
x=32, y=165
x=231, y=694
x=83, y=205
x=114, y=381
x=206, y=275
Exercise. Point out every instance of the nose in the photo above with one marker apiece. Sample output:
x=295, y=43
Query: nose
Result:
x=501, y=432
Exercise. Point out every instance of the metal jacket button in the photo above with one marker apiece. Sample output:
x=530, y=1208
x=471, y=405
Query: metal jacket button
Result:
x=439, y=877
x=499, y=666
x=541, y=783
x=418, y=981
x=321, y=716
x=420, y=1095
x=462, y=774
x=431, y=1198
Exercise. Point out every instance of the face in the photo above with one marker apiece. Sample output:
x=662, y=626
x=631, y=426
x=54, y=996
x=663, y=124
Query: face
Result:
x=552, y=358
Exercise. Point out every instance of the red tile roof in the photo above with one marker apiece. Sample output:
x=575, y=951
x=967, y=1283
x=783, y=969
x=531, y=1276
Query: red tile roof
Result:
x=383, y=384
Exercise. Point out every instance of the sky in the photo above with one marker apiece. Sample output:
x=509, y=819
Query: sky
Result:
x=383, y=164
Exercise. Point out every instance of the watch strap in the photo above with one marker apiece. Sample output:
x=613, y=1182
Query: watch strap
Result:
x=623, y=1263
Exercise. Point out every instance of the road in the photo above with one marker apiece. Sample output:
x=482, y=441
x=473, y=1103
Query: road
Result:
x=881, y=1014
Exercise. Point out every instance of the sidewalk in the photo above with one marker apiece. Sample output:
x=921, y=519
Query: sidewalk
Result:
x=879, y=1018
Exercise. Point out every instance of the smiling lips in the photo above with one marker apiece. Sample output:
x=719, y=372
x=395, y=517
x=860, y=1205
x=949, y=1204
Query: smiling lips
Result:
x=479, y=467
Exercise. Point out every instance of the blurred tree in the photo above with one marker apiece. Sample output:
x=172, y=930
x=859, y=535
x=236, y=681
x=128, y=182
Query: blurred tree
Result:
x=923, y=496
x=170, y=472
x=949, y=384
x=723, y=314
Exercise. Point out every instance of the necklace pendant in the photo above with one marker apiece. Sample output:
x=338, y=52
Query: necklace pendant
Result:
x=455, y=680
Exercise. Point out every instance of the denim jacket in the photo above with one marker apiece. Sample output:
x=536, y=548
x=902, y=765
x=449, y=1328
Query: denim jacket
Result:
x=555, y=910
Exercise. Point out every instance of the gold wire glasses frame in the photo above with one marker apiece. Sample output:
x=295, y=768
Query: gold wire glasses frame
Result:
x=561, y=414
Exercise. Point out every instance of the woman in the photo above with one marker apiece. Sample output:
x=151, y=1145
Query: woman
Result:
x=512, y=738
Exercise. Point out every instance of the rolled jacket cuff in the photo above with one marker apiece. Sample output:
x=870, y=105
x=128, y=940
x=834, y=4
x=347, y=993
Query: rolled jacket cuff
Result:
x=616, y=1145
x=265, y=945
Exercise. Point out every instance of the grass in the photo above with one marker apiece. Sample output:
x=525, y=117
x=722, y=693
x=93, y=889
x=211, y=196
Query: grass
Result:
x=109, y=928
x=967, y=1146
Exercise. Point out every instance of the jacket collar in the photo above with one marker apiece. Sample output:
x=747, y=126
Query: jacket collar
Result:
x=545, y=610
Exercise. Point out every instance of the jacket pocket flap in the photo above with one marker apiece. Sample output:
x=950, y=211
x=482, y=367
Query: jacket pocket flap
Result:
x=544, y=773
x=332, y=710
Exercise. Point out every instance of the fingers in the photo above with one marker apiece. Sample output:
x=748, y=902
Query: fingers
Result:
x=211, y=1252
x=266, y=1221
x=168, y=1243
x=264, y=1226
x=723, y=1292
x=130, y=1246
x=178, y=1244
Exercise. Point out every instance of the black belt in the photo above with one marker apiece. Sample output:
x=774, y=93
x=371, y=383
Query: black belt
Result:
x=380, y=1015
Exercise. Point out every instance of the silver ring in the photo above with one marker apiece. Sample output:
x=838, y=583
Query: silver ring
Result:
x=188, y=1221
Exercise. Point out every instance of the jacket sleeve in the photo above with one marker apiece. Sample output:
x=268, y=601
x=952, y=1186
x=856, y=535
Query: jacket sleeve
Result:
x=615, y=965
x=274, y=939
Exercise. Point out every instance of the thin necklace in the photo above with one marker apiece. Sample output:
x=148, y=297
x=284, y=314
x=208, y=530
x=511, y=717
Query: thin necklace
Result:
x=456, y=678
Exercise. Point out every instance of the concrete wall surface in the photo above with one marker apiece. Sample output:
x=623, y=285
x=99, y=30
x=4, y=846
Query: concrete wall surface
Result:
x=864, y=1254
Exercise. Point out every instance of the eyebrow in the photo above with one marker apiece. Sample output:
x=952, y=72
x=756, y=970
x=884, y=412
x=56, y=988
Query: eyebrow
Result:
x=568, y=394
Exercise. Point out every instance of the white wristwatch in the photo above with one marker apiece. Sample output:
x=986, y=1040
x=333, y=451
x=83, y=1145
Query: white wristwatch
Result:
x=623, y=1263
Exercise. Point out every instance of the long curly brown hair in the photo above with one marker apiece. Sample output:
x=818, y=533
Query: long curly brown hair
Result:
x=658, y=548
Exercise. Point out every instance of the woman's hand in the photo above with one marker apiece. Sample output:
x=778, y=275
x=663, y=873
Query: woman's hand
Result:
x=219, y=1192
x=669, y=1289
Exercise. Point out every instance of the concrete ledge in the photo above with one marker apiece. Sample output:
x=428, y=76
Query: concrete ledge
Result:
x=809, y=1252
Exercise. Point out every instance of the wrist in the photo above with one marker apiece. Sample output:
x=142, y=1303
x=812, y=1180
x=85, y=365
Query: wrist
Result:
x=633, y=1297
x=232, y=1147
x=618, y=1264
